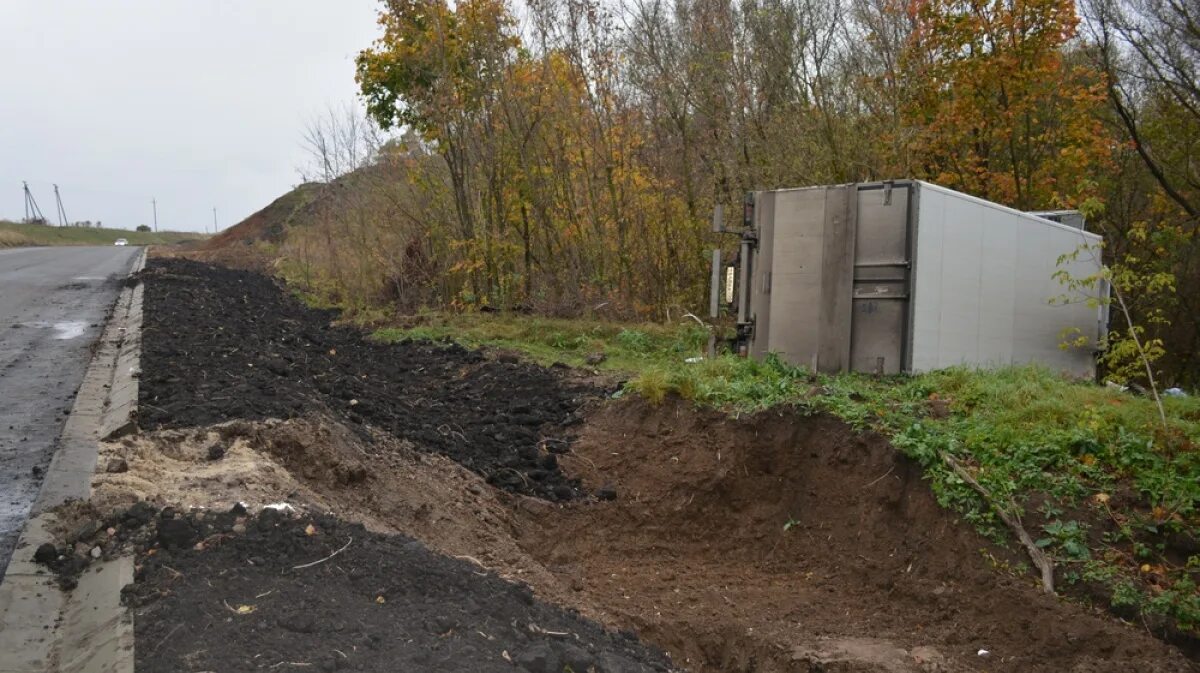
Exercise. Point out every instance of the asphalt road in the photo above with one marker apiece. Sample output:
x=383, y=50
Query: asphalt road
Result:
x=53, y=302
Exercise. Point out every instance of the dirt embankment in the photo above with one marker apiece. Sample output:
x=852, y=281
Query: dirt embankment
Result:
x=787, y=543
x=223, y=345
x=767, y=544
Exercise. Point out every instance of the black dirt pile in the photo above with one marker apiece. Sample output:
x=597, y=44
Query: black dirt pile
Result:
x=242, y=599
x=221, y=344
x=231, y=591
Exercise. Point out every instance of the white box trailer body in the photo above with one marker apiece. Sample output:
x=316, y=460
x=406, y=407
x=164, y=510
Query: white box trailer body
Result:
x=906, y=276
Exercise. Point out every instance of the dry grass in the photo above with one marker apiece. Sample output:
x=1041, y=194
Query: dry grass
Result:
x=13, y=239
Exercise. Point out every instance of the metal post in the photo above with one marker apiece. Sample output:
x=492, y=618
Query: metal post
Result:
x=718, y=221
x=714, y=294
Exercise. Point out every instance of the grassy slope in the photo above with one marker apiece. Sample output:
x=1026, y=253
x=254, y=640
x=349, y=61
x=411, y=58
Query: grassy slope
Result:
x=20, y=234
x=1102, y=486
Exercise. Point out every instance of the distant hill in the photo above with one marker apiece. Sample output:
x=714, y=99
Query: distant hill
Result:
x=17, y=234
x=310, y=202
x=271, y=223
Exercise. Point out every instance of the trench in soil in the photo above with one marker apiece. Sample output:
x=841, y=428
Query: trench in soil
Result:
x=777, y=542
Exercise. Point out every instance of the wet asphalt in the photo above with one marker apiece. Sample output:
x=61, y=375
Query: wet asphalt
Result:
x=53, y=303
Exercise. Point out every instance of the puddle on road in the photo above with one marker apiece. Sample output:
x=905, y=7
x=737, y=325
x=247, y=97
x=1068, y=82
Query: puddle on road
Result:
x=69, y=329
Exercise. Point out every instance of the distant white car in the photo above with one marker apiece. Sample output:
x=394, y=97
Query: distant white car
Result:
x=120, y=241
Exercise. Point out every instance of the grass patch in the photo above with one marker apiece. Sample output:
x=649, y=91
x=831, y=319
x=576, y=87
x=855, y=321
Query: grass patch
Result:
x=627, y=348
x=22, y=234
x=1102, y=486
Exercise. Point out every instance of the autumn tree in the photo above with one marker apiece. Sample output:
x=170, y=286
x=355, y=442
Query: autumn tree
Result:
x=1149, y=51
x=433, y=69
x=564, y=155
x=1004, y=109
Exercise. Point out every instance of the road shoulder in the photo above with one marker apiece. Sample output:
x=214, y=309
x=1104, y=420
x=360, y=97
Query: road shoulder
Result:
x=43, y=628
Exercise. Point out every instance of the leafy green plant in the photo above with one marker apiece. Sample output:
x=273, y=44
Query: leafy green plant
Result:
x=1069, y=536
x=634, y=340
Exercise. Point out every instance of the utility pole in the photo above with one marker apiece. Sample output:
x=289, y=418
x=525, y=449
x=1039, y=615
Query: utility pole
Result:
x=214, y=220
x=32, y=212
x=154, y=205
x=62, y=214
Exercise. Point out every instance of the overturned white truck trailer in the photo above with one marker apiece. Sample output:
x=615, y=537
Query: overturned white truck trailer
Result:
x=906, y=276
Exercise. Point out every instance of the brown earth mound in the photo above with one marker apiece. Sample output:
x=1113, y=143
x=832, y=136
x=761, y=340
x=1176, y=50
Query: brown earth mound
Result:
x=785, y=543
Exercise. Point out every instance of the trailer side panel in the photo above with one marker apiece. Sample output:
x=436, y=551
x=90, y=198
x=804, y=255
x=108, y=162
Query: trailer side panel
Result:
x=984, y=290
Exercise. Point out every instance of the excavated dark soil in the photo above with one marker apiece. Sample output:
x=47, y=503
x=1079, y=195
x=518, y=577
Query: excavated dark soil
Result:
x=232, y=592
x=221, y=344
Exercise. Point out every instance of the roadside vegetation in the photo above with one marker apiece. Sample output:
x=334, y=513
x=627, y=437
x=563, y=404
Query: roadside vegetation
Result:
x=568, y=163
x=16, y=234
x=1103, y=488
x=573, y=157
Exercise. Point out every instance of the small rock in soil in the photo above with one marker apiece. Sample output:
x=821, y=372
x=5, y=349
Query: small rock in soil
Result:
x=116, y=465
x=140, y=514
x=85, y=530
x=46, y=554
x=216, y=452
x=176, y=533
x=577, y=659
x=606, y=492
x=540, y=658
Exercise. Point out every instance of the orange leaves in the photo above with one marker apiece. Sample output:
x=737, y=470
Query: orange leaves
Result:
x=1002, y=112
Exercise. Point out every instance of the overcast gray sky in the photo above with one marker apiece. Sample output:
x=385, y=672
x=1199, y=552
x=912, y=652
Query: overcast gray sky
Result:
x=197, y=103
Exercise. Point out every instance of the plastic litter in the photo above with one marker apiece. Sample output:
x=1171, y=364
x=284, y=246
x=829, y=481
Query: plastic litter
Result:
x=1175, y=392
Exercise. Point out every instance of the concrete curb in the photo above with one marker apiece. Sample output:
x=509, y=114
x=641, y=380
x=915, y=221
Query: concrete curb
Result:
x=42, y=628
